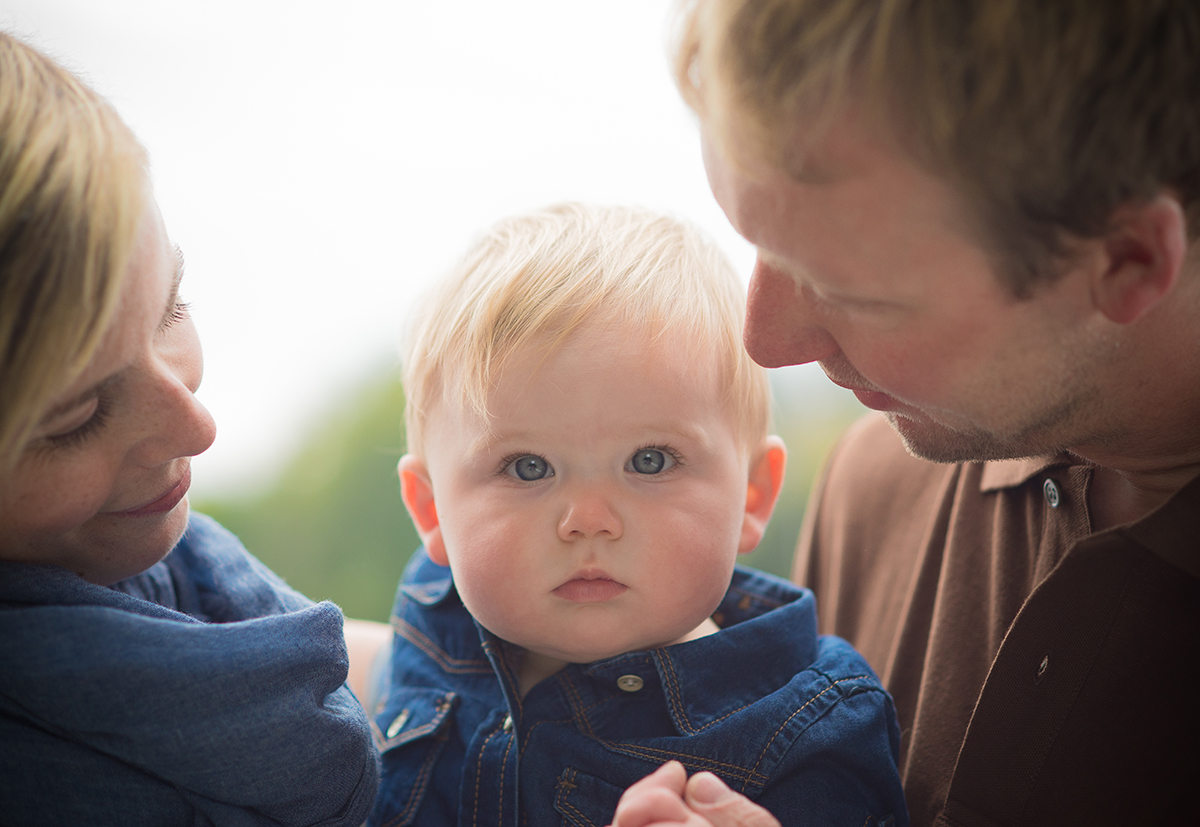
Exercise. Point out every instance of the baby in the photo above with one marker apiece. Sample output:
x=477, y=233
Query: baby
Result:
x=588, y=453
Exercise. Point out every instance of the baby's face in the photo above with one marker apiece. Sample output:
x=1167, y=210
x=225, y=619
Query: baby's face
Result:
x=603, y=511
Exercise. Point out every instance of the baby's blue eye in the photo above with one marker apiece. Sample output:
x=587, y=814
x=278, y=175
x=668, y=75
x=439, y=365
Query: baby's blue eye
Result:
x=650, y=461
x=529, y=468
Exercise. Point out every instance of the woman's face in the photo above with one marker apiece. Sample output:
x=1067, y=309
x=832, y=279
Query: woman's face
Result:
x=101, y=489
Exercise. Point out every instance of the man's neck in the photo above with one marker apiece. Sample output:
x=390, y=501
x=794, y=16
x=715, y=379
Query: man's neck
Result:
x=1150, y=445
x=1116, y=498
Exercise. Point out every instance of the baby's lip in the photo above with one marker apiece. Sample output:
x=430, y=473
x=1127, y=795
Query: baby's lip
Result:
x=590, y=585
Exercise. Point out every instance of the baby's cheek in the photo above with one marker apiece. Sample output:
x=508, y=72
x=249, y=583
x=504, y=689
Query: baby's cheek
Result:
x=489, y=581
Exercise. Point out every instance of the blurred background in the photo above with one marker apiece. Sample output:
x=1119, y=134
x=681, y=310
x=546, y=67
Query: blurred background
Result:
x=320, y=164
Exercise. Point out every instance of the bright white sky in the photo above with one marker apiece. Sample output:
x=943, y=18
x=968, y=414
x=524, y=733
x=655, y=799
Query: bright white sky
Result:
x=320, y=163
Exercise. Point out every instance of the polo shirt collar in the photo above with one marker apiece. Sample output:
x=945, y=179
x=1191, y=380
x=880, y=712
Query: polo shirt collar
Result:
x=1010, y=473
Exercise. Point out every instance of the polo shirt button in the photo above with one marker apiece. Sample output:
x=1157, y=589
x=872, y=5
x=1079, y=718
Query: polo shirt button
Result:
x=630, y=683
x=1043, y=667
x=1053, y=495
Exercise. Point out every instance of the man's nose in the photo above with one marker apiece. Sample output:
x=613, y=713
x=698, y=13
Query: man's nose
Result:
x=783, y=324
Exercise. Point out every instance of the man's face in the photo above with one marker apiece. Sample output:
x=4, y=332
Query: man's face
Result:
x=865, y=264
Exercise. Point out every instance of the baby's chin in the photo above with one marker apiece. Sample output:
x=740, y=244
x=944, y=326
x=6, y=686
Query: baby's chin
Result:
x=591, y=654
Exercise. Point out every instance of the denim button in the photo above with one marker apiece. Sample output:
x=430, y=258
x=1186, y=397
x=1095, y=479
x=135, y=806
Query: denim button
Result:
x=398, y=723
x=507, y=725
x=1053, y=495
x=630, y=683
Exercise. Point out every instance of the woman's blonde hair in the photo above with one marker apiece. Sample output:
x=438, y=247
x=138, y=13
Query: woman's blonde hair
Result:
x=72, y=190
x=1045, y=115
x=534, y=279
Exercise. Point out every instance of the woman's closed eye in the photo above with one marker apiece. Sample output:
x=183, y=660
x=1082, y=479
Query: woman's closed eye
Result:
x=527, y=467
x=651, y=460
x=79, y=433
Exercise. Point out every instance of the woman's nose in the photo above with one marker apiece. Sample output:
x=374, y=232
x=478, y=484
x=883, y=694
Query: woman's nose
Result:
x=174, y=423
x=783, y=325
x=589, y=513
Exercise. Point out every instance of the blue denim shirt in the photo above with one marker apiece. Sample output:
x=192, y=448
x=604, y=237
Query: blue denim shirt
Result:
x=203, y=691
x=795, y=721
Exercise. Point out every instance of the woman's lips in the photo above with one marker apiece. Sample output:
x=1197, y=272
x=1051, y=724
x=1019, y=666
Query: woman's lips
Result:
x=587, y=588
x=164, y=503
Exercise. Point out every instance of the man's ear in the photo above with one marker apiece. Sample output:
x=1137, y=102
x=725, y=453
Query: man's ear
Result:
x=416, y=489
x=1144, y=252
x=762, y=491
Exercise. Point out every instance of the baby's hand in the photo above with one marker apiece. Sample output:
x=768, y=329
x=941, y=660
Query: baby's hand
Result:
x=656, y=799
x=668, y=796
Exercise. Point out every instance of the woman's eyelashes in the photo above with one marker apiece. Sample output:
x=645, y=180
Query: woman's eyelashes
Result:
x=179, y=311
x=647, y=461
x=80, y=433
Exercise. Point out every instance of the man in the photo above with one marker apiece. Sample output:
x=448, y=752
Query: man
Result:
x=982, y=218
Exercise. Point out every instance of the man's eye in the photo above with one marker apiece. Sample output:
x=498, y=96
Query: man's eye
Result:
x=650, y=461
x=528, y=468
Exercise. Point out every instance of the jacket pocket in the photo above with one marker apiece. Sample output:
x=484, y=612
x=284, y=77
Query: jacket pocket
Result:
x=411, y=731
x=584, y=800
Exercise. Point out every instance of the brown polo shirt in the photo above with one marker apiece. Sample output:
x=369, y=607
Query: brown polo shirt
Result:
x=1043, y=673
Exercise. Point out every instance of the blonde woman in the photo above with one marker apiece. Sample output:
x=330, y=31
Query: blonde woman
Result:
x=151, y=671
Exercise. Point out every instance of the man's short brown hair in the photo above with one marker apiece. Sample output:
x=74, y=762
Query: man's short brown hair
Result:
x=1045, y=115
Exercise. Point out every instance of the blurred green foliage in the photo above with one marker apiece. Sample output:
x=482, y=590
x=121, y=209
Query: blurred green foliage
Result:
x=334, y=527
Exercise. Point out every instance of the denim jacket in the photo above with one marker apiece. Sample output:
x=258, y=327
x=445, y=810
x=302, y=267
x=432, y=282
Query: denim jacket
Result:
x=795, y=721
x=203, y=691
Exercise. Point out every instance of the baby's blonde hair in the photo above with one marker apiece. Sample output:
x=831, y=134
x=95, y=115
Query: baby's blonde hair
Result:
x=72, y=190
x=537, y=278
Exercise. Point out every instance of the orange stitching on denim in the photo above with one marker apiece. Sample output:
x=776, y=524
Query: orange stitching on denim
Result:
x=809, y=703
x=503, y=760
x=489, y=646
x=693, y=729
x=417, y=793
x=577, y=704
x=456, y=666
x=673, y=693
x=729, y=714
x=687, y=759
x=529, y=732
x=581, y=818
x=478, y=775
x=563, y=805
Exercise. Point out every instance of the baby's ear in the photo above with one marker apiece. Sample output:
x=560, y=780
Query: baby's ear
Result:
x=767, y=465
x=416, y=489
